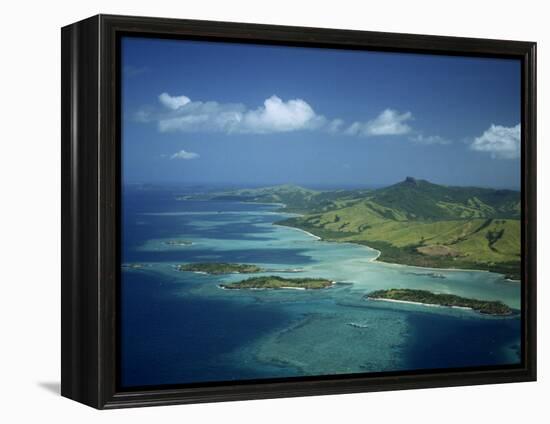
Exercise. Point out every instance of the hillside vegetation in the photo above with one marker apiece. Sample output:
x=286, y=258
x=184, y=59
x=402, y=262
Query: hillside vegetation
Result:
x=414, y=222
x=441, y=299
x=276, y=282
x=295, y=198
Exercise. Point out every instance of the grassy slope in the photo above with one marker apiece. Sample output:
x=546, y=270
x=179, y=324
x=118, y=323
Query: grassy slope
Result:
x=480, y=231
x=413, y=222
x=423, y=200
x=296, y=199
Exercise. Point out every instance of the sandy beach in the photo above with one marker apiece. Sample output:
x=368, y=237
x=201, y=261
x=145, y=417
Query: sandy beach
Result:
x=431, y=305
x=299, y=229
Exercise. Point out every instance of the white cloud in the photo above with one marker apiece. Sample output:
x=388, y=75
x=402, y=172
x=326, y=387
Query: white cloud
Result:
x=173, y=102
x=275, y=115
x=501, y=142
x=335, y=126
x=182, y=154
x=429, y=139
x=389, y=122
x=354, y=129
x=279, y=116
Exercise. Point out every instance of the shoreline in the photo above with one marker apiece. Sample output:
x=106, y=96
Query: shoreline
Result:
x=436, y=305
x=299, y=229
x=221, y=286
x=396, y=264
x=431, y=305
x=378, y=252
x=440, y=269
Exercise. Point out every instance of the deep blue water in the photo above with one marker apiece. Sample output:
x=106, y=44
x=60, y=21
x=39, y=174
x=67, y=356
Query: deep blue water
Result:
x=169, y=339
x=446, y=342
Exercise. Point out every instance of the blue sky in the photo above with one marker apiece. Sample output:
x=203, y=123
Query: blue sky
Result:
x=202, y=112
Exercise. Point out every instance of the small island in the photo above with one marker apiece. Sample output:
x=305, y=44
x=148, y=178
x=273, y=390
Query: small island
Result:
x=449, y=300
x=275, y=282
x=133, y=266
x=178, y=243
x=218, y=268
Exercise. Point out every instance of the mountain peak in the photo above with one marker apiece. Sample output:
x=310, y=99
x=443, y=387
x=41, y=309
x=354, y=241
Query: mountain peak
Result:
x=416, y=182
x=412, y=184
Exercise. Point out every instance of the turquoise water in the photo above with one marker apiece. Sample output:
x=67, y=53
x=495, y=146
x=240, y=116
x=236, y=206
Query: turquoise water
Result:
x=180, y=327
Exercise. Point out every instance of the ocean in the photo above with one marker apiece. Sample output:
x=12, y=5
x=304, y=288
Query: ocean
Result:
x=181, y=327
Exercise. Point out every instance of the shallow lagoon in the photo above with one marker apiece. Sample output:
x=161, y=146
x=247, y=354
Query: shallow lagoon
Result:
x=180, y=327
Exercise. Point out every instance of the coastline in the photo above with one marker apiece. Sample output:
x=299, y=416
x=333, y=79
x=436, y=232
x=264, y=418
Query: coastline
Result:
x=287, y=323
x=221, y=286
x=397, y=264
x=378, y=252
x=439, y=269
x=431, y=305
x=299, y=229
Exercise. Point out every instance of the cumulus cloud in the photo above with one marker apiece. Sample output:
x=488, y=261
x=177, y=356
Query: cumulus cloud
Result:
x=429, y=139
x=388, y=122
x=182, y=154
x=181, y=114
x=173, y=102
x=355, y=129
x=335, y=126
x=275, y=115
x=501, y=142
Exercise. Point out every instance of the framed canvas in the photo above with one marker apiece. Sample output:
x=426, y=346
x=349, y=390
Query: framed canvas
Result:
x=253, y=211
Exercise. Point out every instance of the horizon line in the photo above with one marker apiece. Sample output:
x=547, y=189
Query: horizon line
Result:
x=333, y=186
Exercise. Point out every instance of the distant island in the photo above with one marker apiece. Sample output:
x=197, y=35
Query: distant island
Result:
x=218, y=268
x=178, y=242
x=413, y=222
x=274, y=282
x=449, y=300
x=133, y=266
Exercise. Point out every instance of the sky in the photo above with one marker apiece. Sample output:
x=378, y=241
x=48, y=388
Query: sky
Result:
x=200, y=112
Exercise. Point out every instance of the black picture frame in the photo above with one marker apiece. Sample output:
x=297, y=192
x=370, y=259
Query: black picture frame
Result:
x=90, y=176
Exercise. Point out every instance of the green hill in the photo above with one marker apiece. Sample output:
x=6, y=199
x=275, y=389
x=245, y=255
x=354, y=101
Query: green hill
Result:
x=421, y=199
x=410, y=199
x=419, y=223
x=413, y=222
x=295, y=198
x=299, y=197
